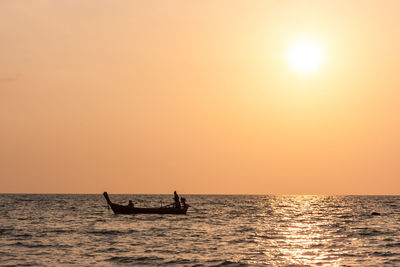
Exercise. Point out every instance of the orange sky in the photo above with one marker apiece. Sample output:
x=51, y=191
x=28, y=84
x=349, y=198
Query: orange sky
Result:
x=195, y=96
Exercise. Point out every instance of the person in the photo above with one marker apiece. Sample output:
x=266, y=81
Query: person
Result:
x=177, y=204
x=183, y=200
x=130, y=204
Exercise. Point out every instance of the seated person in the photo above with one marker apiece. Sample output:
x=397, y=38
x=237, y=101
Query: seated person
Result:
x=130, y=204
x=183, y=200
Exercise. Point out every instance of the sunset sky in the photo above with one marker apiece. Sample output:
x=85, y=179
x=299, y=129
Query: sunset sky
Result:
x=200, y=97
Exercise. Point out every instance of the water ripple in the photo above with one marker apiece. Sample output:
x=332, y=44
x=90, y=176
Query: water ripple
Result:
x=224, y=231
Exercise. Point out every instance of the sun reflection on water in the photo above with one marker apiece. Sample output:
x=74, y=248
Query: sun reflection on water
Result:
x=300, y=236
x=227, y=230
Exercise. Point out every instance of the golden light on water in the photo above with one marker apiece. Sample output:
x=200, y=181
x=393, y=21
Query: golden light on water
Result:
x=305, y=237
x=300, y=233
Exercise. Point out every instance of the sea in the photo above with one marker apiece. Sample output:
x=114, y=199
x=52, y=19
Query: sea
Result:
x=219, y=230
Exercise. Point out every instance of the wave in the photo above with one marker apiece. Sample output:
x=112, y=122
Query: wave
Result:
x=179, y=262
x=393, y=245
x=20, y=244
x=221, y=235
x=365, y=231
x=60, y=231
x=22, y=236
x=24, y=199
x=225, y=263
x=142, y=260
x=385, y=254
x=112, y=232
x=4, y=231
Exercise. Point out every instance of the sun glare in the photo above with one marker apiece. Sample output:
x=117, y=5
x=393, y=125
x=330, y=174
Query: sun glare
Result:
x=305, y=56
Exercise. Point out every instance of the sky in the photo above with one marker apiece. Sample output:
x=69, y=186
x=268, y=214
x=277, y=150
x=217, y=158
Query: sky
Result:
x=199, y=97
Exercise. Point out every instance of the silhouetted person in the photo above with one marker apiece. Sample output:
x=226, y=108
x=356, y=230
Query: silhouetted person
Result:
x=176, y=199
x=130, y=204
x=183, y=200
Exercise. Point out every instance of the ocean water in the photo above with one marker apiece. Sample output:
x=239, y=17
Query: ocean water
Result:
x=231, y=230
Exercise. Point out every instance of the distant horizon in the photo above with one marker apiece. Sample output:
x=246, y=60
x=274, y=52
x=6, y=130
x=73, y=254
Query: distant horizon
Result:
x=215, y=194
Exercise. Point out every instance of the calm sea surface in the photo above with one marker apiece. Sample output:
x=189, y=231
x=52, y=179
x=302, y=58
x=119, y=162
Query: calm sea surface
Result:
x=224, y=230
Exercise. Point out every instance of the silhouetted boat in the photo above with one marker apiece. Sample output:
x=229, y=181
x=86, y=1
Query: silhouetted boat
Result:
x=121, y=209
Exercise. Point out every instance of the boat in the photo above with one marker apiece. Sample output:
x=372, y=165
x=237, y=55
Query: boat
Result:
x=127, y=209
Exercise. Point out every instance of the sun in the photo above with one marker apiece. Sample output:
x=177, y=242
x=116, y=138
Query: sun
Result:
x=305, y=56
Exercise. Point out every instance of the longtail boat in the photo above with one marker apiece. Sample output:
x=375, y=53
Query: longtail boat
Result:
x=121, y=209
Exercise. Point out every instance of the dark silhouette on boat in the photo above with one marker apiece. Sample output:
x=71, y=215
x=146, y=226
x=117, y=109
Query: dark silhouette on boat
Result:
x=130, y=209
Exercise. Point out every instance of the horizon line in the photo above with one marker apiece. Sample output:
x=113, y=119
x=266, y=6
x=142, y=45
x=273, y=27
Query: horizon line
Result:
x=216, y=194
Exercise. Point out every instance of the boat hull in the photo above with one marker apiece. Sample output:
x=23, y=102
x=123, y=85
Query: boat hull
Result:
x=121, y=209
